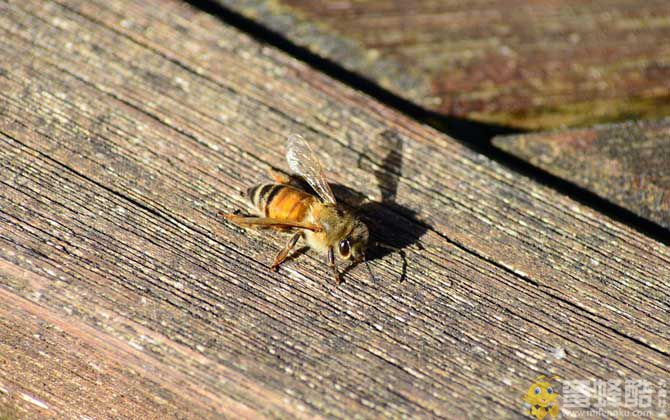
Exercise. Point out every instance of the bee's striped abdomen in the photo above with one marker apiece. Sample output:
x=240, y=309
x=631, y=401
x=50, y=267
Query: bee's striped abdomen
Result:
x=280, y=201
x=259, y=195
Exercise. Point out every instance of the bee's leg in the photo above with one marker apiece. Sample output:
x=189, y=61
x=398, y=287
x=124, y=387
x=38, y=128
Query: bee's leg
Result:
x=279, y=177
x=292, y=180
x=284, y=252
x=269, y=222
x=331, y=263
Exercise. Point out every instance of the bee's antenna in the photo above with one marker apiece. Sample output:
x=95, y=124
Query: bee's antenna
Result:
x=385, y=246
x=372, y=275
x=399, y=251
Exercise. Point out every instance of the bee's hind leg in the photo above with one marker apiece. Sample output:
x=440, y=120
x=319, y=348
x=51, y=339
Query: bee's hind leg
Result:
x=284, y=252
x=253, y=221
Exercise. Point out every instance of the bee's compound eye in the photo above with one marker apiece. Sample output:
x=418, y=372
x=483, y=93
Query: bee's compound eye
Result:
x=537, y=391
x=345, y=249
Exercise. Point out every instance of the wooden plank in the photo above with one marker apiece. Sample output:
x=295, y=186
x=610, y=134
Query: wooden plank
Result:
x=77, y=370
x=126, y=125
x=624, y=163
x=532, y=64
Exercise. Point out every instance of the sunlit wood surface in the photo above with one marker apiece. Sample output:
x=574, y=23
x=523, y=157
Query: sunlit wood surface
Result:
x=126, y=125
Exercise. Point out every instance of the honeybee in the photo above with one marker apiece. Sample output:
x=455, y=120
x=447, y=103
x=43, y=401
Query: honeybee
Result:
x=326, y=226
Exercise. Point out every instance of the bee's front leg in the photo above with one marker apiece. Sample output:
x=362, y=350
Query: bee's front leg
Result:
x=331, y=263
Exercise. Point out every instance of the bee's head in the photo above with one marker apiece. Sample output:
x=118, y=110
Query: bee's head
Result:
x=353, y=246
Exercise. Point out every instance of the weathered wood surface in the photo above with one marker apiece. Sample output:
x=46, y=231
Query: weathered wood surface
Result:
x=628, y=163
x=54, y=364
x=126, y=125
x=527, y=63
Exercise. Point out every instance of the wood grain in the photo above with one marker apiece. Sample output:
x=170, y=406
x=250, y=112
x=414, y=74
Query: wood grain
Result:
x=77, y=371
x=624, y=163
x=532, y=64
x=126, y=125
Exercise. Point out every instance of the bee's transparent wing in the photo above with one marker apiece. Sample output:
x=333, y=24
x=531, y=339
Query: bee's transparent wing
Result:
x=302, y=161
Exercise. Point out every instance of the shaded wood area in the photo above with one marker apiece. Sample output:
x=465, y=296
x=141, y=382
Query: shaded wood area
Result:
x=125, y=126
x=625, y=163
x=523, y=63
